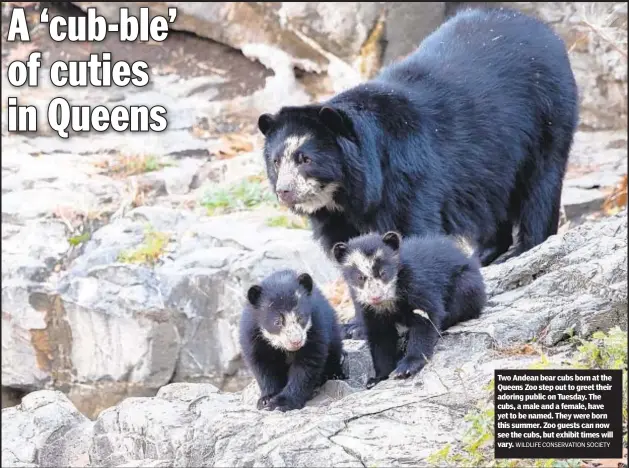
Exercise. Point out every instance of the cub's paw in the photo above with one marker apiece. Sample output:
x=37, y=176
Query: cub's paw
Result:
x=373, y=381
x=408, y=367
x=283, y=403
x=264, y=401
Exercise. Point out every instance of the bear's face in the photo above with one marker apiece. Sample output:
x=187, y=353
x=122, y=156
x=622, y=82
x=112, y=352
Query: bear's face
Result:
x=303, y=159
x=283, y=310
x=370, y=265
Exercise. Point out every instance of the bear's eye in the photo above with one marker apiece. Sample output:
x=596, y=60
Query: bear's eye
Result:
x=361, y=278
x=279, y=321
x=302, y=158
x=276, y=162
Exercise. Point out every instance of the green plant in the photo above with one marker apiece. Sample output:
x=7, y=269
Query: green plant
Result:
x=79, y=239
x=605, y=351
x=289, y=222
x=243, y=195
x=128, y=165
x=149, y=251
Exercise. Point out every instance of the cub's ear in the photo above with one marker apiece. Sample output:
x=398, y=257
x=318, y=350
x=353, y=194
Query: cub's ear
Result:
x=335, y=120
x=392, y=239
x=306, y=281
x=253, y=295
x=265, y=122
x=339, y=250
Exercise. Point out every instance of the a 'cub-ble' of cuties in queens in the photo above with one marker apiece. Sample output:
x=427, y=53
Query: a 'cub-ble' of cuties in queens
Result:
x=290, y=339
x=417, y=287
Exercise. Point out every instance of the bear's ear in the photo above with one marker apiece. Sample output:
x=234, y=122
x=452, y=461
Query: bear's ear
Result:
x=336, y=120
x=305, y=280
x=253, y=295
x=265, y=122
x=339, y=250
x=392, y=239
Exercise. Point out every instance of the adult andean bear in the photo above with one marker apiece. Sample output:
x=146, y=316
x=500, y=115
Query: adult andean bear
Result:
x=467, y=136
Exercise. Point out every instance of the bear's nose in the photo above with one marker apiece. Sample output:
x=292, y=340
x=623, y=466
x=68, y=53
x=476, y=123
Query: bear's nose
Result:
x=376, y=299
x=286, y=196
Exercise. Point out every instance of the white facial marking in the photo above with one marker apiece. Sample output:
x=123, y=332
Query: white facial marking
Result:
x=361, y=261
x=321, y=199
x=292, y=335
x=292, y=143
x=372, y=287
x=288, y=176
x=309, y=191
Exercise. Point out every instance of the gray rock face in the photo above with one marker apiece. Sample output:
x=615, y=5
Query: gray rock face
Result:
x=576, y=281
x=345, y=38
x=45, y=429
x=310, y=33
x=600, y=69
x=339, y=38
x=128, y=329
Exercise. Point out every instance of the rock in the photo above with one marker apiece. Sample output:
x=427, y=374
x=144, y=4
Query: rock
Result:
x=355, y=38
x=147, y=462
x=45, y=199
x=407, y=24
x=332, y=390
x=577, y=201
x=575, y=282
x=340, y=39
x=309, y=32
x=597, y=163
x=358, y=364
x=189, y=100
x=178, y=179
x=45, y=430
x=11, y=397
x=600, y=70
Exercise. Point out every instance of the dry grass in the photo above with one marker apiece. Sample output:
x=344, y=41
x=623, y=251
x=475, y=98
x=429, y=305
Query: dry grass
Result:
x=604, y=22
x=123, y=165
x=526, y=349
x=617, y=200
x=337, y=293
x=233, y=144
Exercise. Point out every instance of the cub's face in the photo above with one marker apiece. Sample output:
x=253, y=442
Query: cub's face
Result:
x=370, y=265
x=302, y=157
x=283, y=310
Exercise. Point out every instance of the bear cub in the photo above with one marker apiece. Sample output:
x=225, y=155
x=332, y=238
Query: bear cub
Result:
x=290, y=339
x=416, y=287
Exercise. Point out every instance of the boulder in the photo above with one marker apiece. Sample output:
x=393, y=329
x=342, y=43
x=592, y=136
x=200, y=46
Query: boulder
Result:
x=573, y=284
x=45, y=429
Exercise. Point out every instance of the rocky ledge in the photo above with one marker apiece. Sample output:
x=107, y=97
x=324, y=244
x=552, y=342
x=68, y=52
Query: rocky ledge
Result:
x=573, y=284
